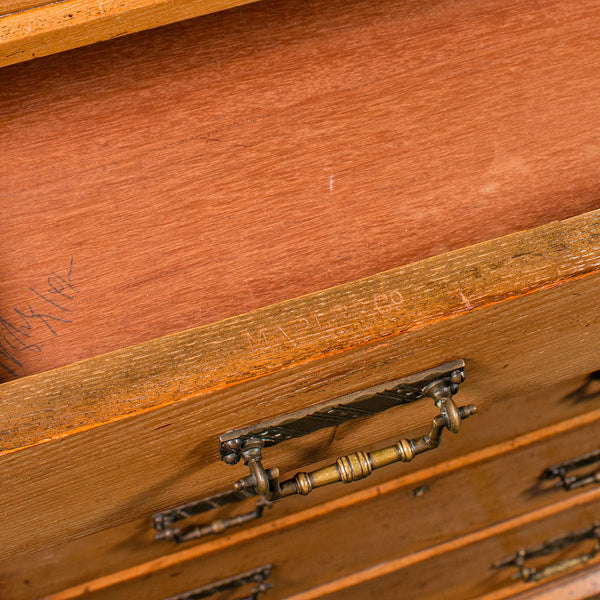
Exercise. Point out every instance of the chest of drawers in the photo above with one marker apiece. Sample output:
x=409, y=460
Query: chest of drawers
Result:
x=230, y=219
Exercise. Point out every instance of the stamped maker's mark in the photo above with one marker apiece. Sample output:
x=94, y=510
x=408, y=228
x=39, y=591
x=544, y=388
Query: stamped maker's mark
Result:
x=337, y=321
x=50, y=305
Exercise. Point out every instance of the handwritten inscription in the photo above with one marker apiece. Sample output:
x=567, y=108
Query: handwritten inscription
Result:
x=336, y=322
x=20, y=330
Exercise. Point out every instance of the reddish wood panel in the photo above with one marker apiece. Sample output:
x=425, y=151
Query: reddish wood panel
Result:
x=183, y=175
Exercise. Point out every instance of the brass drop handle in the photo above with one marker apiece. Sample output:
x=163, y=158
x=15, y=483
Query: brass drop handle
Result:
x=246, y=445
x=551, y=546
x=164, y=525
x=259, y=577
x=359, y=465
x=562, y=472
x=439, y=384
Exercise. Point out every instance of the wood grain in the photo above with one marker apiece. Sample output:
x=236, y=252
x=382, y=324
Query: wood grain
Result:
x=220, y=165
x=463, y=563
x=426, y=495
x=514, y=348
x=198, y=364
x=466, y=563
x=30, y=29
x=10, y=6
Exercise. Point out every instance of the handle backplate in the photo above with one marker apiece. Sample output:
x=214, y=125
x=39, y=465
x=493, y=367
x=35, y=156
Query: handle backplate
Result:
x=259, y=577
x=339, y=410
x=563, y=471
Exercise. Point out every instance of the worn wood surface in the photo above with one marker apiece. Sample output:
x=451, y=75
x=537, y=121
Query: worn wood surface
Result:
x=202, y=364
x=132, y=467
x=10, y=6
x=216, y=166
x=463, y=567
x=306, y=568
x=502, y=479
x=32, y=28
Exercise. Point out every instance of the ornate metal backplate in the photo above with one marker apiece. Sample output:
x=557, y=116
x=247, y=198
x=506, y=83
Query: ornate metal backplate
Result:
x=563, y=471
x=339, y=410
x=162, y=521
x=258, y=577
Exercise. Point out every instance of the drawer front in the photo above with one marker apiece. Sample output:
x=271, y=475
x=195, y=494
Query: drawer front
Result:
x=394, y=519
x=556, y=409
x=465, y=568
x=131, y=468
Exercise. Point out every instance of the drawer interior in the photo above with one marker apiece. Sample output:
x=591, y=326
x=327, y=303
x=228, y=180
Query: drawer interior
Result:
x=183, y=175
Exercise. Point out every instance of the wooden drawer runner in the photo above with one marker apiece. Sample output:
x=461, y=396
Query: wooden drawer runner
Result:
x=363, y=528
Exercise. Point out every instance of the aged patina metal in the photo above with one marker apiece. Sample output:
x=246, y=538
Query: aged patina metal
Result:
x=163, y=522
x=552, y=546
x=259, y=577
x=358, y=465
x=439, y=384
x=339, y=410
x=563, y=471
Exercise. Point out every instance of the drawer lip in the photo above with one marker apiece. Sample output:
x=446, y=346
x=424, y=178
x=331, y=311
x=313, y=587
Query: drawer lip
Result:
x=209, y=360
x=53, y=27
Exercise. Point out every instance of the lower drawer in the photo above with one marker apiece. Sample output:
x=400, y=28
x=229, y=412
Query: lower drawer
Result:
x=467, y=567
x=397, y=522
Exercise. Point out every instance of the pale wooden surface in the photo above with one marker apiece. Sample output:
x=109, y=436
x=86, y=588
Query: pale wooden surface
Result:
x=30, y=28
x=526, y=321
x=10, y=6
x=337, y=544
x=220, y=165
x=502, y=479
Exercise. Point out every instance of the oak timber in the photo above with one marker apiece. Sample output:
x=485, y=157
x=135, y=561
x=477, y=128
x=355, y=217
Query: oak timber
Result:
x=526, y=321
x=220, y=165
x=207, y=361
x=463, y=564
x=417, y=502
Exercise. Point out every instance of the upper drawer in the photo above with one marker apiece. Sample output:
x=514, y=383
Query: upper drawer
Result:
x=526, y=333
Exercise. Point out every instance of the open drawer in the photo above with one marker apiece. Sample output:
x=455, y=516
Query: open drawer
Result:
x=314, y=199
